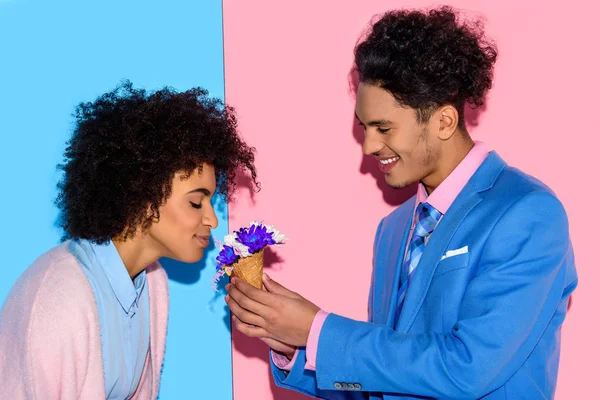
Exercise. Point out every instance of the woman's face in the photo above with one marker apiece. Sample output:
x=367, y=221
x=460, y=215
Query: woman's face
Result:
x=187, y=217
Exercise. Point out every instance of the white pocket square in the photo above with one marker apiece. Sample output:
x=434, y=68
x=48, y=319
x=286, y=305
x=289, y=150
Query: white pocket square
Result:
x=452, y=253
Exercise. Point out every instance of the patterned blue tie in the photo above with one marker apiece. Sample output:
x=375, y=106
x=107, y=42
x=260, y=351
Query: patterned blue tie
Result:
x=427, y=219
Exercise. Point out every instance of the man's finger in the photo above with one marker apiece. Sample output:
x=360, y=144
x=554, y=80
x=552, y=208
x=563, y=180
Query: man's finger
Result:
x=249, y=330
x=243, y=314
x=253, y=293
x=275, y=287
x=245, y=301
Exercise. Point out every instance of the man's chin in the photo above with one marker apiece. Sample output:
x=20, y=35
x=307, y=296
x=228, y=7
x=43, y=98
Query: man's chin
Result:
x=397, y=183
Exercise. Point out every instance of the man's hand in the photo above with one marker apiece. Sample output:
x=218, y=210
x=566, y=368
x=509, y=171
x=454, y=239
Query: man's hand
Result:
x=275, y=314
x=279, y=347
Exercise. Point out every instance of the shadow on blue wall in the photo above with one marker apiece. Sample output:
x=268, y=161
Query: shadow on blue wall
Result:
x=187, y=273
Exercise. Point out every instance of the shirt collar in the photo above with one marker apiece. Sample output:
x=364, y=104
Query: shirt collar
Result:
x=127, y=292
x=445, y=194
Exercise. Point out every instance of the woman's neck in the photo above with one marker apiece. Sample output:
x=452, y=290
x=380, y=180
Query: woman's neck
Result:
x=136, y=253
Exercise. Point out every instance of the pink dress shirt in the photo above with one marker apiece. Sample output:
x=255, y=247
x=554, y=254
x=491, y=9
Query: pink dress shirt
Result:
x=441, y=198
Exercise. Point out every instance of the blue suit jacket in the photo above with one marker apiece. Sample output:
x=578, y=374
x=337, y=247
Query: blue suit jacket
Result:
x=483, y=324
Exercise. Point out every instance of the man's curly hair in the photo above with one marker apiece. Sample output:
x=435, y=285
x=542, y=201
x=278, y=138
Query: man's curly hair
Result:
x=127, y=146
x=427, y=59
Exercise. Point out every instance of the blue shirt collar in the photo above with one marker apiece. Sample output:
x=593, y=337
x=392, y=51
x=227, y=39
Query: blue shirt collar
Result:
x=128, y=292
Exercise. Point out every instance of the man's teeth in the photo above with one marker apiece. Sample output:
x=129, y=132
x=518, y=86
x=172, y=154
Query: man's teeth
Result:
x=389, y=160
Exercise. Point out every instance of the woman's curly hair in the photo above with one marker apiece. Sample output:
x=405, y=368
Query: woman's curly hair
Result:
x=127, y=146
x=428, y=59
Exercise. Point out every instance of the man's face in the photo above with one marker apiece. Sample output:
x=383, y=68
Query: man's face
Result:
x=403, y=147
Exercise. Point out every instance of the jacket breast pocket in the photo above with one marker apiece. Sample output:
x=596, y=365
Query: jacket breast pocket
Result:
x=450, y=281
x=450, y=264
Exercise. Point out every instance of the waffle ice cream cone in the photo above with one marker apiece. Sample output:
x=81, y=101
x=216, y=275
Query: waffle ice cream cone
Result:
x=250, y=269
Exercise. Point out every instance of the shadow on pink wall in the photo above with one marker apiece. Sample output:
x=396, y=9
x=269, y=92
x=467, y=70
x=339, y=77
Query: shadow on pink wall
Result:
x=391, y=196
x=254, y=348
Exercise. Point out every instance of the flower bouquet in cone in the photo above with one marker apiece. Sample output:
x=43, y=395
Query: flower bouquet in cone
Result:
x=242, y=253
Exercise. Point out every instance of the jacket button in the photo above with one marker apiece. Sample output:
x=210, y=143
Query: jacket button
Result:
x=357, y=386
x=344, y=386
x=337, y=385
x=351, y=386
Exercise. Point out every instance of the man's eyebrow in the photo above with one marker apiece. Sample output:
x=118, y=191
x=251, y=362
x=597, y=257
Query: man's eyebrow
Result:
x=377, y=122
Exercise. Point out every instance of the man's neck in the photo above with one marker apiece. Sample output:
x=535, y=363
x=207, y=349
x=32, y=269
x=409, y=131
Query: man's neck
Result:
x=452, y=154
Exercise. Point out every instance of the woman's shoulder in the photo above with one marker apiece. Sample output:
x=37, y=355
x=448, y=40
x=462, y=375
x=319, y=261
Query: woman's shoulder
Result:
x=55, y=276
x=51, y=304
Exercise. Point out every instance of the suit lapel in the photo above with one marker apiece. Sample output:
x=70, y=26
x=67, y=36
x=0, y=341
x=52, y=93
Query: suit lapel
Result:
x=467, y=199
x=393, y=262
x=434, y=250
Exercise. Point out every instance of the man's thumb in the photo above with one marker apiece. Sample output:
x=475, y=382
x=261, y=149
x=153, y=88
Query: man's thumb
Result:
x=274, y=287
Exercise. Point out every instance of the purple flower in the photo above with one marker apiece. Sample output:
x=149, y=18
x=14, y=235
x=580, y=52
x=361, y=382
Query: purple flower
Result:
x=255, y=238
x=226, y=257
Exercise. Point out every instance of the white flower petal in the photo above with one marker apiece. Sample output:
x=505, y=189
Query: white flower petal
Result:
x=279, y=237
x=230, y=240
x=241, y=249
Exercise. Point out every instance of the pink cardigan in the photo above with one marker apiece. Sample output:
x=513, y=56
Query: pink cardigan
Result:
x=50, y=335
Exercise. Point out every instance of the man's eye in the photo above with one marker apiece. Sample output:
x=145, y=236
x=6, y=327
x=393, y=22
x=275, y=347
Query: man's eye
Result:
x=383, y=130
x=196, y=205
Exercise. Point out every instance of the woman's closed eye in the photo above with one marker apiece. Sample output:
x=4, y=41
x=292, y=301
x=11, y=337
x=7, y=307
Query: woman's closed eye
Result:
x=196, y=205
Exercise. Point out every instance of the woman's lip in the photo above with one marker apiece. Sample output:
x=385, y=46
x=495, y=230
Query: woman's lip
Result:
x=202, y=239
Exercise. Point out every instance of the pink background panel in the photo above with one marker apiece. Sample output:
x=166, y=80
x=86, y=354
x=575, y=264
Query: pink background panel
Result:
x=286, y=72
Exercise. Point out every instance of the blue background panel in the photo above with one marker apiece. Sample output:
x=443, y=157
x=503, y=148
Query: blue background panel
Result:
x=55, y=54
